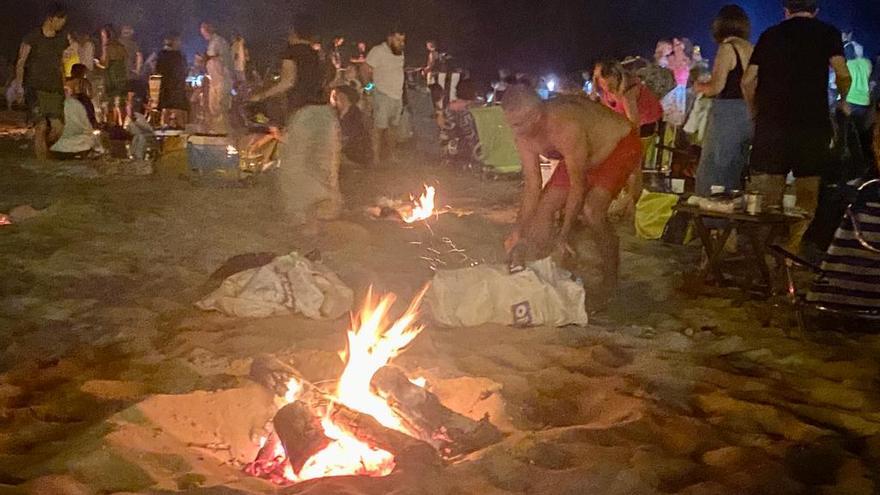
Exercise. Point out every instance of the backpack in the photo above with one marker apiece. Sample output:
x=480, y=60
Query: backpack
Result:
x=658, y=79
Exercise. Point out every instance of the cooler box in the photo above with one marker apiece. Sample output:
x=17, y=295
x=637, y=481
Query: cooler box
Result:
x=212, y=157
x=172, y=160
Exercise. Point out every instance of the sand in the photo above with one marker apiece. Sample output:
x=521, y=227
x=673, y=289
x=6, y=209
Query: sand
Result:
x=110, y=380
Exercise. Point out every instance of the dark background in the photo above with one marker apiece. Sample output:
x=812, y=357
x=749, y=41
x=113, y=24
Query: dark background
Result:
x=530, y=35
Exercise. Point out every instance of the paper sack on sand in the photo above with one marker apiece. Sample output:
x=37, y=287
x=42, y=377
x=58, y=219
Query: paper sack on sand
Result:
x=543, y=294
x=289, y=284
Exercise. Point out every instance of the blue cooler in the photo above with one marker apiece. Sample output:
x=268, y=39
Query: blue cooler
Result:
x=212, y=157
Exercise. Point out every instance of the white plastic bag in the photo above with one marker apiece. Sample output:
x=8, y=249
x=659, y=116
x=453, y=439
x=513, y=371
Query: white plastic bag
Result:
x=289, y=284
x=541, y=295
x=699, y=118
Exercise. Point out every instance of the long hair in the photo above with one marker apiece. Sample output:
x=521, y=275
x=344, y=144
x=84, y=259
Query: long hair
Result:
x=612, y=69
x=731, y=20
x=110, y=30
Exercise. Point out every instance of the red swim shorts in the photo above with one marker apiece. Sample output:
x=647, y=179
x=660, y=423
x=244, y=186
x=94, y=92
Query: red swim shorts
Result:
x=612, y=174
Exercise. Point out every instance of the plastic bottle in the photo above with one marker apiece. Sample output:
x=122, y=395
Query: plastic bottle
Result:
x=789, y=198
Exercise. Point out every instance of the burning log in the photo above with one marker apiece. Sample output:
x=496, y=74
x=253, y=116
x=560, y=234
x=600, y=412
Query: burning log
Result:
x=270, y=461
x=300, y=432
x=276, y=376
x=407, y=451
x=451, y=433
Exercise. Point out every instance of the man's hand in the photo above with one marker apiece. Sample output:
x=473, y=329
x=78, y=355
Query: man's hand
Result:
x=844, y=107
x=563, y=248
x=702, y=88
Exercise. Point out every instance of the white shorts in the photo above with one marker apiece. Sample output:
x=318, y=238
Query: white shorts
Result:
x=386, y=111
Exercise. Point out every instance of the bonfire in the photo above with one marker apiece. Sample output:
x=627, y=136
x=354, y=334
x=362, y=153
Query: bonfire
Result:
x=423, y=208
x=414, y=210
x=374, y=414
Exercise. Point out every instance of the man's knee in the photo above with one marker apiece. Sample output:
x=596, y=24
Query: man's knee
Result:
x=595, y=220
x=595, y=212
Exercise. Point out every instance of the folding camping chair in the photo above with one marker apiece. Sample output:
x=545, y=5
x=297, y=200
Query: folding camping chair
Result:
x=845, y=292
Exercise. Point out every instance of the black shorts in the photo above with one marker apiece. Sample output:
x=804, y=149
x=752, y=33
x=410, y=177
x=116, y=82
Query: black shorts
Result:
x=779, y=149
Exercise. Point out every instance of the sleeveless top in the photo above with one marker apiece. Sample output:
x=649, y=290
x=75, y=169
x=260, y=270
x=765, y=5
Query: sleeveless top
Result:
x=732, y=89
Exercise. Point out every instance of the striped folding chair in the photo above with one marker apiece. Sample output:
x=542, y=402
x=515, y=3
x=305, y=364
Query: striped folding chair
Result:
x=847, y=285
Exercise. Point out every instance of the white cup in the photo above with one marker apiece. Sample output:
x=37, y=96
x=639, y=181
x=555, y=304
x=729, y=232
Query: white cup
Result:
x=789, y=201
x=677, y=186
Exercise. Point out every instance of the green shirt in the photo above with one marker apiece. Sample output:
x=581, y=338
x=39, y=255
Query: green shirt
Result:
x=860, y=93
x=43, y=70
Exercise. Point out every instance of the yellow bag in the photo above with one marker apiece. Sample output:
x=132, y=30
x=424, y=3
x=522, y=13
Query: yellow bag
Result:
x=653, y=211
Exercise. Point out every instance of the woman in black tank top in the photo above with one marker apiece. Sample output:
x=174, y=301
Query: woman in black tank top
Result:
x=729, y=127
x=733, y=86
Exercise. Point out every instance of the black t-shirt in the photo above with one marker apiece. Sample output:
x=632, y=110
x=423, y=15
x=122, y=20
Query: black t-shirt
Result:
x=309, y=86
x=793, y=60
x=43, y=69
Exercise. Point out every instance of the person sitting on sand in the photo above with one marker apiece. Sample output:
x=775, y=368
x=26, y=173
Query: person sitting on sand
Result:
x=356, y=144
x=78, y=135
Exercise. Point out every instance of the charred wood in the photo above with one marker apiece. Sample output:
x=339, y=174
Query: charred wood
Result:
x=300, y=432
x=450, y=432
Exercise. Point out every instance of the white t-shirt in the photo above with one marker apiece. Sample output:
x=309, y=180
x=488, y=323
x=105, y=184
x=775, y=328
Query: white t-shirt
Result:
x=387, y=71
x=218, y=48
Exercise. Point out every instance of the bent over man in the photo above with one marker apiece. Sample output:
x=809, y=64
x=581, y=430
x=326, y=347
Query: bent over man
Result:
x=597, y=151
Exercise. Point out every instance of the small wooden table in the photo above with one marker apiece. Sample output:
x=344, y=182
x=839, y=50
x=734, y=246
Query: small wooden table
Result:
x=760, y=230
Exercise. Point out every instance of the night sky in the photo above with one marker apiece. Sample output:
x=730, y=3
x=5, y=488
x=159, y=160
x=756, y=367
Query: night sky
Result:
x=538, y=36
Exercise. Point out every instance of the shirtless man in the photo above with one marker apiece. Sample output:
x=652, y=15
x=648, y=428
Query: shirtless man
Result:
x=597, y=150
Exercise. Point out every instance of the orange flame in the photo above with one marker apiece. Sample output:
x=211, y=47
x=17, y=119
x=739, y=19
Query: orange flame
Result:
x=423, y=207
x=372, y=344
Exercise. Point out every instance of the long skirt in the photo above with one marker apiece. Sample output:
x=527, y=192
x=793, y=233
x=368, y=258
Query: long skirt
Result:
x=219, y=97
x=310, y=158
x=725, y=147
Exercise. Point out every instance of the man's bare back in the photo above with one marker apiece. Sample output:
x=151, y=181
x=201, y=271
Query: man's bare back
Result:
x=575, y=117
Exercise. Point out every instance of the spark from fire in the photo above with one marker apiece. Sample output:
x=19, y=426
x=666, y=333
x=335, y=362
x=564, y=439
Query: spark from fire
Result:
x=423, y=208
x=372, y=344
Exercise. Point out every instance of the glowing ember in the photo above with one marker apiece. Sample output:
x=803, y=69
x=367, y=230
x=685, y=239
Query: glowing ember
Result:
x=372, y=343
x=293, y=390
x=423, y=207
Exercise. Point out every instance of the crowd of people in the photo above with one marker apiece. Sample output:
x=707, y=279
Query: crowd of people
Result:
x=760, y=113
x=770, y=119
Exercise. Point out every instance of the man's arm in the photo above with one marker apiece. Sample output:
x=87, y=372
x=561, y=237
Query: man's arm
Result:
x=287, y=81
x=370, y=63
x=843, y=77
x=138, y=62
x=24, y=52
x=569, y=140
x=105, y=55
x=749, y=86
x=531, y=170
